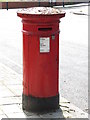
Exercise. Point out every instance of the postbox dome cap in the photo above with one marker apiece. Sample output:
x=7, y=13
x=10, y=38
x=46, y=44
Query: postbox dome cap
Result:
x=40, y=11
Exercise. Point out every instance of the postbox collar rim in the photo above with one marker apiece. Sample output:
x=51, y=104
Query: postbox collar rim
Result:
x=26, y=15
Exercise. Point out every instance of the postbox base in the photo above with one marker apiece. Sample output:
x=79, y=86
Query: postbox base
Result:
x=34, y=104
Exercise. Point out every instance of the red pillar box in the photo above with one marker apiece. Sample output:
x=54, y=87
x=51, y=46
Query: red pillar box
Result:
x=40, y=58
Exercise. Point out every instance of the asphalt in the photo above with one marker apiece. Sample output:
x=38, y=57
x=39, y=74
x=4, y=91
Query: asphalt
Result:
x=74, y=55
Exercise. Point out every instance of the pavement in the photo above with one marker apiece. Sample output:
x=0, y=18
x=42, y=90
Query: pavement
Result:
x=73, y=65
x=11, y=99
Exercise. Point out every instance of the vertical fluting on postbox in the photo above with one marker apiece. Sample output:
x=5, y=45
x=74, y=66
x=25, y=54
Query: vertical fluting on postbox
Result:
x=40, y=58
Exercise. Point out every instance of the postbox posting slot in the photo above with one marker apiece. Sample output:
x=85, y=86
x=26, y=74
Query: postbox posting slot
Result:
x=45, y=29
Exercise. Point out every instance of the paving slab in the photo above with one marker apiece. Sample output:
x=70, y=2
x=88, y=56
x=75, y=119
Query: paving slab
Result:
x=16, y=115
x=6, y=93
x=10, y=100
x=12, y=108
x=16, y=88
x=1, y=112
x=3, y=116
x=11, y=103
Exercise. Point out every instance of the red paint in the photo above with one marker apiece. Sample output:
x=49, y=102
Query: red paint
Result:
x=40, y=70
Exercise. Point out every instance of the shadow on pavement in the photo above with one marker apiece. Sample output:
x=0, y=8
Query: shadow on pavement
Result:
x=56, y=114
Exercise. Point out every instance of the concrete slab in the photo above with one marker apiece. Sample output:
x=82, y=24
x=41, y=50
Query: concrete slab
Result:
x=1, y=112
x=12, y=108
x=74, y=111
x=10, y=100
x=16, y=115
x=3, y=116
x=6, y=93
x=16, y=88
